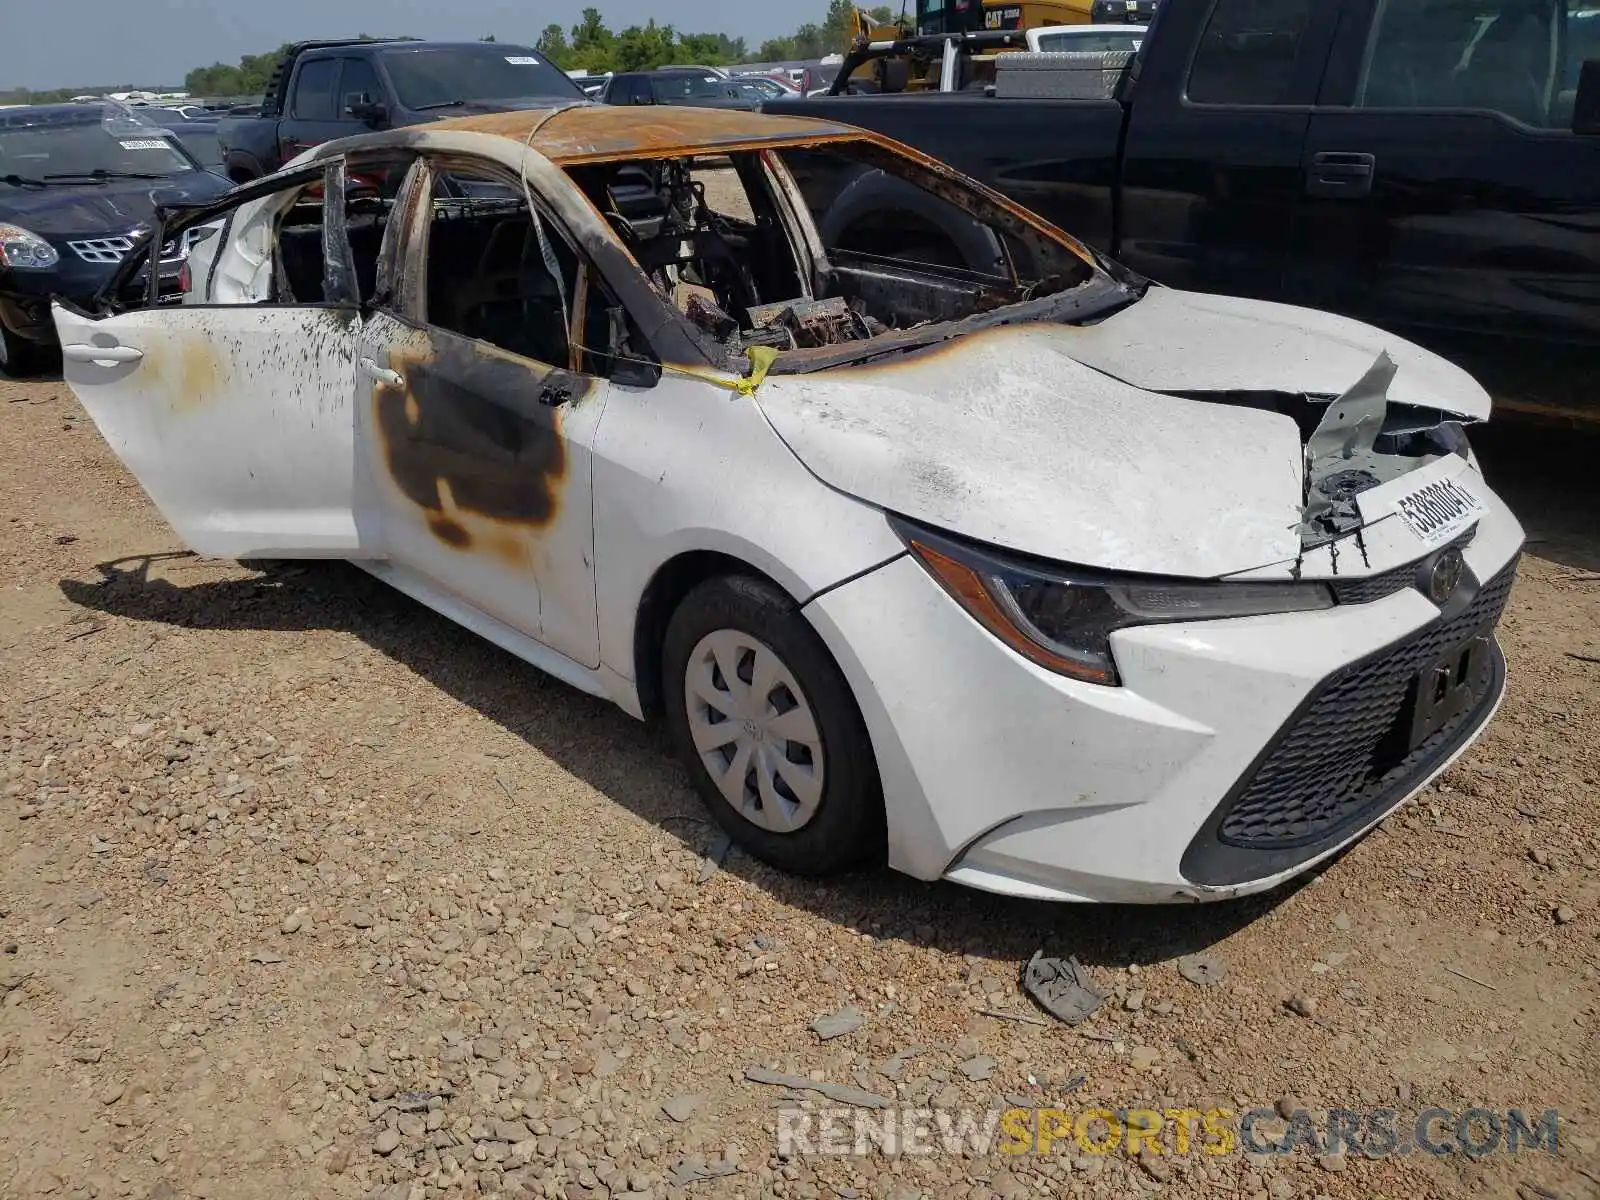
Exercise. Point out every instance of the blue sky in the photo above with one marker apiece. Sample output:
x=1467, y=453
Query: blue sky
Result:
x=47, y=44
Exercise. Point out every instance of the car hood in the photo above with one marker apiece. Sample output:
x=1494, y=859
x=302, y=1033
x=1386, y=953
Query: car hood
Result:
x=1004, y=436
x=96, y=209
x=1176, y=341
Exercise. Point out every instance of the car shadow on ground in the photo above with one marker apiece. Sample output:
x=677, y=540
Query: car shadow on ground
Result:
x=41, y=379
x=633, y=764
x=1551, y=479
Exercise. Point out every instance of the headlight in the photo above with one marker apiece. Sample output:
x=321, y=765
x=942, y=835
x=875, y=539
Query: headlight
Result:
x=1062, y=617
x=23, y=250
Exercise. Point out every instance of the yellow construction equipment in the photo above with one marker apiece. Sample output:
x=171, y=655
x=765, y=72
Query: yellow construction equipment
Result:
x=904, y=54
x=874, y=30
x=992, y=16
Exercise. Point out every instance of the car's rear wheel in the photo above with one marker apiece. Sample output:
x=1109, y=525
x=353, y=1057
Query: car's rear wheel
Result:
x=768, y=729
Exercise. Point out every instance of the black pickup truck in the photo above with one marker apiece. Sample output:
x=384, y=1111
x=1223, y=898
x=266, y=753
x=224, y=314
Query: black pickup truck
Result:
x=333, y=89
x=1429, y=166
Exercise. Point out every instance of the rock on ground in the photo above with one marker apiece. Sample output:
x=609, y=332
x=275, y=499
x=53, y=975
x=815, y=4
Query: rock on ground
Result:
x=375, y=910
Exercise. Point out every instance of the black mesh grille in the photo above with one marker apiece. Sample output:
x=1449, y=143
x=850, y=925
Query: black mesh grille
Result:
x=1376, y=587
x=1348, y=749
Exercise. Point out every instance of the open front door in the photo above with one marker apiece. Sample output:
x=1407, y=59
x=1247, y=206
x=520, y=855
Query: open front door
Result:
x=233, y=408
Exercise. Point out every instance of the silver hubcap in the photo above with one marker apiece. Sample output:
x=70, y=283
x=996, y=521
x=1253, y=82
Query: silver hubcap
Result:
x=755, y=731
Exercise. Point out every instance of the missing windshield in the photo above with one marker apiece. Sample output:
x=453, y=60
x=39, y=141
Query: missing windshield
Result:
x=820, y=249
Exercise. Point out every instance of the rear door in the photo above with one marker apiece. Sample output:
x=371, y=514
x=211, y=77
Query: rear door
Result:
x=1446, y=198
x=478, y=404
x=1217, y=129
x=234, y=412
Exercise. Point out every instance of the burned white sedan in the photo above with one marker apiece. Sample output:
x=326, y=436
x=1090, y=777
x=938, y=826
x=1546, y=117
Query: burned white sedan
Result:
x=1039, y=578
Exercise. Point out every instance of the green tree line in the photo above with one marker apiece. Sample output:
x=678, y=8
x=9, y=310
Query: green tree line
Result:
x=591, y=45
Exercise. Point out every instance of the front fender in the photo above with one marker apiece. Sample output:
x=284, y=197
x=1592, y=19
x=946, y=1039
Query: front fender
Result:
x=688, y=467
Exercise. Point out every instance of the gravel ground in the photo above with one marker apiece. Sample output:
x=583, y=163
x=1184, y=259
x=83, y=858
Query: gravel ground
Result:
x=306, y=892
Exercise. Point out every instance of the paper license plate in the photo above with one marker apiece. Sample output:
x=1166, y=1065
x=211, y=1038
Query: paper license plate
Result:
x=1439, y=510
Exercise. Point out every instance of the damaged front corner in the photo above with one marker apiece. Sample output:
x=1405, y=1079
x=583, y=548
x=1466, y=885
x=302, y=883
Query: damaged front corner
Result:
x=1342, y=459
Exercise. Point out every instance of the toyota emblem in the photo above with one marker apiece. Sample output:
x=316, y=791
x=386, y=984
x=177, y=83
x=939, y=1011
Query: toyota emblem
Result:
x=1444, y=575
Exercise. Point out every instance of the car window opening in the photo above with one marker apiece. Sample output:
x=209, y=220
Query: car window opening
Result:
x=710, y=234
x=301, y=266
x=487, y=279
x=284, y=239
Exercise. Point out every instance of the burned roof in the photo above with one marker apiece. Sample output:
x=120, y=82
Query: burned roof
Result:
x=593, y=132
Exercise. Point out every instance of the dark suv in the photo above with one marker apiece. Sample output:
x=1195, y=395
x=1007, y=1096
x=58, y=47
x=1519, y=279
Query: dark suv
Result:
x=79, y=184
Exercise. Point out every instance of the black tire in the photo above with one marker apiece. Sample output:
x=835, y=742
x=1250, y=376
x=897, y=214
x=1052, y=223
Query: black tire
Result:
x=21, y=358
x=847, y=828
x=876, y=198
x=242, y=169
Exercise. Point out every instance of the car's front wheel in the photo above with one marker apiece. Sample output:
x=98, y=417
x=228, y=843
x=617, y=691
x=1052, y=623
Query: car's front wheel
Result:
x=768, y=728
x=19, y=358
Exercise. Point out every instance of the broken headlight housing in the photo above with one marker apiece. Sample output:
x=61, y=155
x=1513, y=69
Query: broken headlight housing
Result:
x=1062, y=617
x=23, y=250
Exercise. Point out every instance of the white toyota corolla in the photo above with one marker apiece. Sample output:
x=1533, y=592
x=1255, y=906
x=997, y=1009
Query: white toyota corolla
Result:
x=1036, y=577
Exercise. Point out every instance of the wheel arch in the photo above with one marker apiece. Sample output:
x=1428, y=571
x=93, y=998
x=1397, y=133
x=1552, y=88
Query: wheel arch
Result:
x=242, y=168
x=672, y=581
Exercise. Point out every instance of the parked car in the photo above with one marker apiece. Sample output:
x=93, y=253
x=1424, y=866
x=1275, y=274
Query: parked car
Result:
x=1048, y=580
x=719, y=72
x=691, y=88
x=196, y=128
x=770, y=87
x=79, y=183
x=334, y=89
x=817, y=79
x=1430, y=167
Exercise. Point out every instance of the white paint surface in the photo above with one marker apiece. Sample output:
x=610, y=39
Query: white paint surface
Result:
x=1005, y=437
x=237, y=421
x=1176, y=341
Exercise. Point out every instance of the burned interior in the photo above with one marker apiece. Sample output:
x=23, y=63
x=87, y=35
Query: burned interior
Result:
x=711, y=235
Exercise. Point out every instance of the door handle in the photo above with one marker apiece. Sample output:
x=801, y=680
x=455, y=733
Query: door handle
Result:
x=1336, y=173
x=104, y=356
x=382, y=376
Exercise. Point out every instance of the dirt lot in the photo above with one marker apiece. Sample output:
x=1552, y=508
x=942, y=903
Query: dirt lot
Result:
x=305, y=892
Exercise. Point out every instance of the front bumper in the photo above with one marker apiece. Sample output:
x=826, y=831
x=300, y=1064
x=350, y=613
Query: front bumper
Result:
x=27, y=317
x=1237, y=753
x=25, y=295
